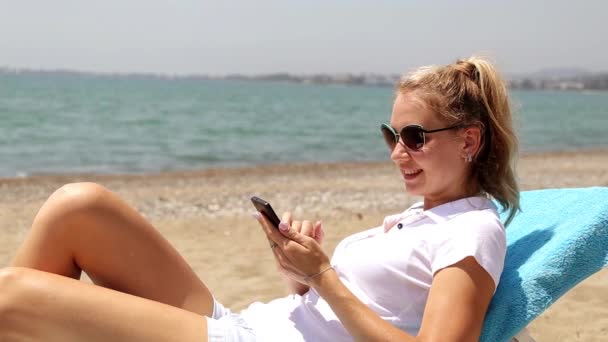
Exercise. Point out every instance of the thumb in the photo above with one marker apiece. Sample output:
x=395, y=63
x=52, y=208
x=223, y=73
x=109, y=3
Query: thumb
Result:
x=292, y=234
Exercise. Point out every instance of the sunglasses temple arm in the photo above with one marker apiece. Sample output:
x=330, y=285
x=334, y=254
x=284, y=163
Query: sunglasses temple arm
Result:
x=442, y=129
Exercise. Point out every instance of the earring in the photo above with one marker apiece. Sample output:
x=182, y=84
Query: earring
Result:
x=468, y=158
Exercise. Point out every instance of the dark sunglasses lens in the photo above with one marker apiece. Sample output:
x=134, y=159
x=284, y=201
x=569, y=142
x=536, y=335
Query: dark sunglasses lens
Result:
x=389, y=137
x=413, y=137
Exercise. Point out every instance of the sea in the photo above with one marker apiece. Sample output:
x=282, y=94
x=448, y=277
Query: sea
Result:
x=58, y=123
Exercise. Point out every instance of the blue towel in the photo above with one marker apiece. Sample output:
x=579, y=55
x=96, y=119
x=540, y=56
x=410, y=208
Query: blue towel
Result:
x=559, y=239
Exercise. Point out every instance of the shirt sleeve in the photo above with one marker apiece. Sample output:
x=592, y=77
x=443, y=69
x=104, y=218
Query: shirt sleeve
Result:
x=480, y=235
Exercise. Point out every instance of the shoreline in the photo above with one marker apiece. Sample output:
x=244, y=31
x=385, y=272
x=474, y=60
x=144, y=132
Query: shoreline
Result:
x=262, y=167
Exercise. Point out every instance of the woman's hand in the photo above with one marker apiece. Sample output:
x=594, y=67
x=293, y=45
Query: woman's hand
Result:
x=297, y=249
x=314, y=231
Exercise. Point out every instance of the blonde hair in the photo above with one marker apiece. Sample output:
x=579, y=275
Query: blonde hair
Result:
x=471, y=92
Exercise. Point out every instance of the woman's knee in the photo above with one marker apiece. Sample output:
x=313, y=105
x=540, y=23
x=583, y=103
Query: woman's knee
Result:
x=68, y=205
x=83, y=194
x=73, y=198
x=11, y=288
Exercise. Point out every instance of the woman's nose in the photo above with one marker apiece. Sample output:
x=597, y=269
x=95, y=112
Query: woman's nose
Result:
x=399, y=152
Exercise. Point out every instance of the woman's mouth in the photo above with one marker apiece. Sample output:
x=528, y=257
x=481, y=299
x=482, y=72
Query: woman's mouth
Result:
x=410, y=174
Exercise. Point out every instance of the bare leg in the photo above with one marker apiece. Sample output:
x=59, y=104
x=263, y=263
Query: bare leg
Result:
x=84, y=226
x=41, y=306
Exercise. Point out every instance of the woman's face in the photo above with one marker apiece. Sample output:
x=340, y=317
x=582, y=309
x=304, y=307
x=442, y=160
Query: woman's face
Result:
x=437, y=171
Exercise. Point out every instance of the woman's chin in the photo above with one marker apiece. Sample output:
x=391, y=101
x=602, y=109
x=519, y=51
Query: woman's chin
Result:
x=414, y=186
x=413, y=189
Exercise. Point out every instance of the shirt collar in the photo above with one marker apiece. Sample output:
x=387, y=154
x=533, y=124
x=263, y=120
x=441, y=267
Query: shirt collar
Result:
x=443, y=212
x=447, y=211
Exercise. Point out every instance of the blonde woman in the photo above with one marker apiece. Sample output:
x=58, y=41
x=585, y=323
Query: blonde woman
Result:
x=427, y=274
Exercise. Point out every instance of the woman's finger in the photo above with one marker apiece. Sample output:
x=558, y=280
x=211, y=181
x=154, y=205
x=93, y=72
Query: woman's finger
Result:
x=287, y=217
x=272, y=233
x=291, y=235
x=318, y=232
x=296, y=225
x=307, y=228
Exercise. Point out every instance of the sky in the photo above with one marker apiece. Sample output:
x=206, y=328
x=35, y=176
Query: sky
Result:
x=301, y=37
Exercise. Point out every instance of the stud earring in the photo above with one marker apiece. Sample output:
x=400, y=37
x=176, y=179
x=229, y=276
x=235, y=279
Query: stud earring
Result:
x=468, y=158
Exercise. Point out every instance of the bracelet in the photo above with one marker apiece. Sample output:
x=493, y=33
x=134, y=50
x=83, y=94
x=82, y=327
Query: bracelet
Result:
x=307, y=279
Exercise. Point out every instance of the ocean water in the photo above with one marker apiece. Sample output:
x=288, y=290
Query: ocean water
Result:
x=53, y=123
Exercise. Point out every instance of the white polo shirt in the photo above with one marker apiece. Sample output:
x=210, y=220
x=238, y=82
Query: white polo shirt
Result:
x=390, y=268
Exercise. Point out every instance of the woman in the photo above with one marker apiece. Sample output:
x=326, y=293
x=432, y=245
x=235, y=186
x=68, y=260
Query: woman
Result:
x=425, y=274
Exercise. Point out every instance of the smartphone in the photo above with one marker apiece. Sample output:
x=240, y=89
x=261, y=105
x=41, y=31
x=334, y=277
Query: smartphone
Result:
x=264, y=207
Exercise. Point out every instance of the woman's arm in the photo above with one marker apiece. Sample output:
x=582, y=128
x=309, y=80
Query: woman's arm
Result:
x=456, y=306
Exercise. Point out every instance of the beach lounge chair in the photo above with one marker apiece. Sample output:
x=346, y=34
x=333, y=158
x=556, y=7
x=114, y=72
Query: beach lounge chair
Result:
x=559, y=239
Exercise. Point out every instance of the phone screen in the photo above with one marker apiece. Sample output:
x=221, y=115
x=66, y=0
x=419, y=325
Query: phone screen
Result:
x=264, y=207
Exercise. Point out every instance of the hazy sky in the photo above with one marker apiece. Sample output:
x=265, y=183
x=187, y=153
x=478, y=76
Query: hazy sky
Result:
x=305, y=36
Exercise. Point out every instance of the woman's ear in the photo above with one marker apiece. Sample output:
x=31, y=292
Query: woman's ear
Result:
x=471, y=140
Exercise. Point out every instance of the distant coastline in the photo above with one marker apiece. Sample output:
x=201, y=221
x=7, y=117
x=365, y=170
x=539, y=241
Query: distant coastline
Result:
x=365, y=79
x=557, y=79
x=596, y=154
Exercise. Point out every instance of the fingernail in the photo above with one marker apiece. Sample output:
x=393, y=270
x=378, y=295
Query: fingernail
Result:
x=283, y=226
x=255, y=215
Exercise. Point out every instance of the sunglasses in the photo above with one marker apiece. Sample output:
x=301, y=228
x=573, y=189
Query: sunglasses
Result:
x=412, y=136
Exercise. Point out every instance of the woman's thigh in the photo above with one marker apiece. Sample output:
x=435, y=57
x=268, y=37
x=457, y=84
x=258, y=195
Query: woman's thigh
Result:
x=41, y=306
x=84, y=226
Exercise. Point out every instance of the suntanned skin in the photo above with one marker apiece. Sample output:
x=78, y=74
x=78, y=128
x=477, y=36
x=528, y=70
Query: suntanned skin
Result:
x=86, y=227
x=41, y=306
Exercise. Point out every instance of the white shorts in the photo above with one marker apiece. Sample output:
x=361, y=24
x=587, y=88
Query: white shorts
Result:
x=225, y=326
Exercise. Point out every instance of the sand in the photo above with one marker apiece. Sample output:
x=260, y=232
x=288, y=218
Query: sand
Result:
x=206, y=216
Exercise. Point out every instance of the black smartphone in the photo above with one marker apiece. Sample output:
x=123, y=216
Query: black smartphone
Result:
x=264, y=207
